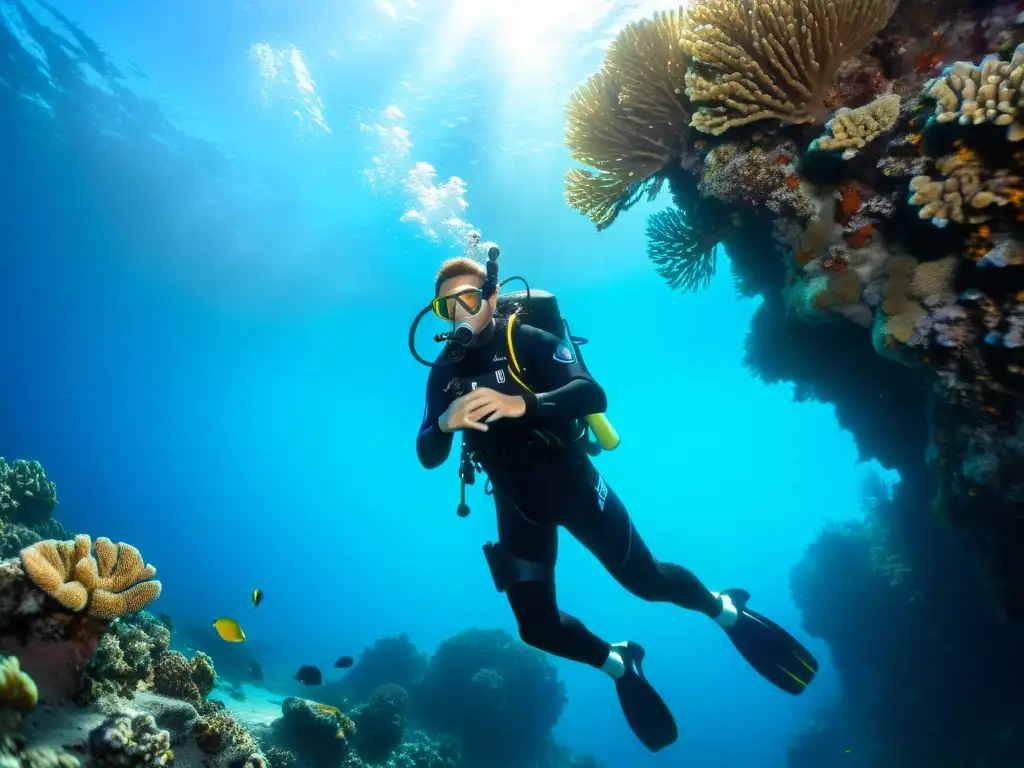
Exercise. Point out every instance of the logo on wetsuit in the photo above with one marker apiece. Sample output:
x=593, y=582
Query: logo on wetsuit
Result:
x=602, y=492
x=564, y=353
x=500, y=376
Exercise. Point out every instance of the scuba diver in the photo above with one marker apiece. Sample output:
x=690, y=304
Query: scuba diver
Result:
x=522, y=398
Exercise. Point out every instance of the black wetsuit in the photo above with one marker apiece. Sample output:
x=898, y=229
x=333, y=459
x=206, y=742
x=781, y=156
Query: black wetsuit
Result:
x=542, y=479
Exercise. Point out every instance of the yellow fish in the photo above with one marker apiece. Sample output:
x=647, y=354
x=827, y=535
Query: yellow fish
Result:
x=257, y=597
x=229, y=630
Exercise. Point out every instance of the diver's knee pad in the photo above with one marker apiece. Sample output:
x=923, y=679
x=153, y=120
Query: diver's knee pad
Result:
x=507, y=570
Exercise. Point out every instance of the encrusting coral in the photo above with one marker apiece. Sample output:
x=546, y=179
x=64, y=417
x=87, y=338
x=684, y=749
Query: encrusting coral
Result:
x=771, y=59
x=114, y=582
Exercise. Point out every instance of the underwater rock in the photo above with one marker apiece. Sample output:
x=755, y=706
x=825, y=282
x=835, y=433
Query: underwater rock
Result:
x=52, y=643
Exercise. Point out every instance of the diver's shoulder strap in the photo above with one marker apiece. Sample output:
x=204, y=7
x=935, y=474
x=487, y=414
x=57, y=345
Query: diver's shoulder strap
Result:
x=514, y=368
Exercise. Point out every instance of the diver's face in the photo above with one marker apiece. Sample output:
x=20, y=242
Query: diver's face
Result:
x=471, y=284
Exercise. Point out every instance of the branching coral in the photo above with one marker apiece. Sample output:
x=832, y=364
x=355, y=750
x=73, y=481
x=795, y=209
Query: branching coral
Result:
x=762, y=59
x=966, y=191
x=852, y=129
x=114, y=582
x=973, y=94
x=628, y=120
x=683, y=248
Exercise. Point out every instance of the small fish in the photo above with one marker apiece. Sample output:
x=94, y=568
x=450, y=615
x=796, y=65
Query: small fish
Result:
x=257, y=597
x=308, y=675
x=255, y=670
x=229, y=630
x=344, y=662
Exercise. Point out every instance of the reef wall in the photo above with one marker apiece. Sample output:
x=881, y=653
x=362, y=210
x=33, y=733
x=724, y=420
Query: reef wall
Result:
x=877, y=146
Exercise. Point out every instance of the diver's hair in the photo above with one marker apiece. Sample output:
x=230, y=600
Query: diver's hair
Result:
x=460, y=266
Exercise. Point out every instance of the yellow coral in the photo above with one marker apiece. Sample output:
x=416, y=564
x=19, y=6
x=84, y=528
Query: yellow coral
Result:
x=114, y=582
x=990, y=92
x=760, y=59
x=964, y=190
x=50, y=564
x=17, y=690
x=851, y=129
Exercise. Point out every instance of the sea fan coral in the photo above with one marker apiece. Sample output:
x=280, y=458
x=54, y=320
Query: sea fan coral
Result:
x=683, y=248
x=628, y=120
x=761, y=59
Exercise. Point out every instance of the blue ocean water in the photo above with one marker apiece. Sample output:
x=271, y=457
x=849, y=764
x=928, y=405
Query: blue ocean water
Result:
x=212, y=255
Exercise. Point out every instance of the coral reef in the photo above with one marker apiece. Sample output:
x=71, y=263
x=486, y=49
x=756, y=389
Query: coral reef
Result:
x=493, y=693
x=130, y=741
x=27, y=496
x=393, y=660
x=185, y=679
x=318, y=733
x=901, y=608
x=380, y=723
x=125, y=659
x=898, y=231
x=27, y=501
x=878, y=150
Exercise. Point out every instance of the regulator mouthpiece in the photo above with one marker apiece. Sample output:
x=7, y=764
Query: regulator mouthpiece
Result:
x=463, y=335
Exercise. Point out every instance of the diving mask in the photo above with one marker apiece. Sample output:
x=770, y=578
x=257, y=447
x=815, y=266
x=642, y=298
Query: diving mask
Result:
x=470, y=300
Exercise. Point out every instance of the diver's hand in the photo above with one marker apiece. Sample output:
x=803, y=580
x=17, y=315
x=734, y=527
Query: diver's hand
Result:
x=493, y=405
x=457, y=416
